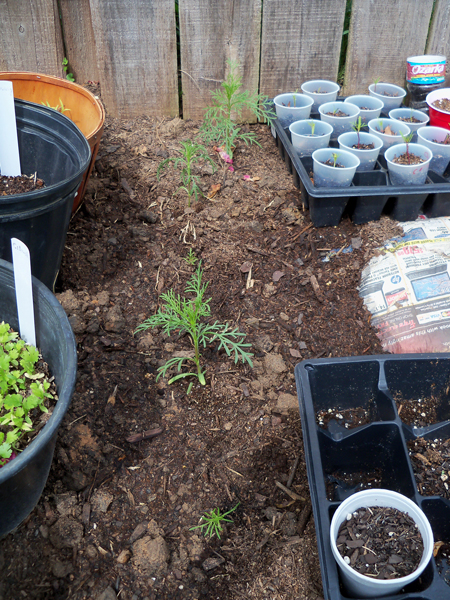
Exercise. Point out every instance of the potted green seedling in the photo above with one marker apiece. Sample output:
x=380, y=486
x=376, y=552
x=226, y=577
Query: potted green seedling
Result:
x=363, y=145
x=333, y=169
x=292, y=107
x=321, y=91
x=340, y=115
x=413, y=118
x=389, y=131
x=309, y=135
x=391, y=95
x=23, y=476
x=408, y=163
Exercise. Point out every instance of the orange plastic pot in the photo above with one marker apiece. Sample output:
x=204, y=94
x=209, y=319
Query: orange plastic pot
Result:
x=85, y=110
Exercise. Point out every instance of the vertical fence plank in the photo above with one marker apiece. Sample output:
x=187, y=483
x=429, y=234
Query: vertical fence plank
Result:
x=30, y=36
x=381, y=37
x=300, y=40
x=211, y=33
x=136, y=54
x=439, y=36
x=79, y=40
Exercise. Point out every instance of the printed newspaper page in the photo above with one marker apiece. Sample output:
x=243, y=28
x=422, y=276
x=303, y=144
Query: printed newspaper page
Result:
x=407, y=289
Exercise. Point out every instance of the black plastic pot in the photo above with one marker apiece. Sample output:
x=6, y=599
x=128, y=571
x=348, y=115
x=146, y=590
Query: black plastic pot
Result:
x=339, y=458
x=23, y=479
x=53, y=147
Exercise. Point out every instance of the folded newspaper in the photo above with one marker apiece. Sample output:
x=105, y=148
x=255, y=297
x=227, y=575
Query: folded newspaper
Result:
x=407, y=289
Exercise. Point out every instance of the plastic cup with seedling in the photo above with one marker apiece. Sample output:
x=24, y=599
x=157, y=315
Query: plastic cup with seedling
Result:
x=212, y=522
x=186, y=315
x=357, y=126
x=191, y=154
x=407, y=139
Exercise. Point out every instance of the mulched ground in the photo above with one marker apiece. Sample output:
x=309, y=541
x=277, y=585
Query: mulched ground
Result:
x=115, y=518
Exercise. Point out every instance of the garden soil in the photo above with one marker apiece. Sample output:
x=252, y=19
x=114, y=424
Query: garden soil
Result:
x=138, y=461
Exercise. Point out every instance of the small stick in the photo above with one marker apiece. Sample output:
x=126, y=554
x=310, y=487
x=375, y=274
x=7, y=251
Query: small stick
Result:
x=145, y=435
x=290, y=493
x=292, y=473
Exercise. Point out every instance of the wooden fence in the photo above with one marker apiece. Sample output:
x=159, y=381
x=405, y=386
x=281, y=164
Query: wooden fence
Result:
x=147, y=54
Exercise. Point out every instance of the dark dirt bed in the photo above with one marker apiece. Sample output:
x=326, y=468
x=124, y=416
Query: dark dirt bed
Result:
x=115, y=518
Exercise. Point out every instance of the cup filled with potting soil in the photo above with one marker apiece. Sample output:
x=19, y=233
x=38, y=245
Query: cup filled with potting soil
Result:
x=381, y=541
x=292, y=107
x=439, y=106
x=333, y=167
x=437, y=139
x=390, y=131
x=391, y=95
x=340, y=115
x=309, y=135
x=413, y=118
x=321, y=91
x=369, y=106
x=408, y=163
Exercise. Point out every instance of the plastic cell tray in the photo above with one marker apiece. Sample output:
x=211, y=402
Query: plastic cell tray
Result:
x=338, y=459
x=370, y=195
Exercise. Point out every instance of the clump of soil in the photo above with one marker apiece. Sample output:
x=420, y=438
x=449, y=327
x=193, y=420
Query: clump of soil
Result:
x=370, y=146
x=408, y=159
x=19, y=185
x=418, y=413
x=348, y=418
x=442, y=104
x=430, y=461
x=380, y=542
x=338, y=113
x=409, y=119
x=390, y=95
x=331, y=163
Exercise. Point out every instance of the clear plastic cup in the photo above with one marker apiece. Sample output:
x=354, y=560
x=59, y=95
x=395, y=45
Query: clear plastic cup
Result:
x=330, y=176
x=367, y=158
x=358, y=585
x=369, y=106
x=432, y=138
x=407, y=113
x=321, y=91
x=397, y=127
x=339, y=124
x=408, y=174
x=304, y=141
x=292, y=107
x=380, y=91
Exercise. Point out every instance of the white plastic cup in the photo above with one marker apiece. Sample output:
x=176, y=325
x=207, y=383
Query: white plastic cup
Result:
x=328, y=176
x=397, y=127
x=328, y=91
x=408, y=174
x=367, y=158
x=361, y=586
x=441, y=152
x=339, y=124
x=379, y=90
x=372, y=106
x=304, y=142
x=407, y=113
x=299, y=108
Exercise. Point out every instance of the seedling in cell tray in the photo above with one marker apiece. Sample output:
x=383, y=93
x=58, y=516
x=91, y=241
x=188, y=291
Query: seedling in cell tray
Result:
x=407, y=139
x=357, y=128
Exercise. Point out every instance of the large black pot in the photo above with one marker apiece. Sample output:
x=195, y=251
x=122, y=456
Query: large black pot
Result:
x=23, y=479
x=52, y=146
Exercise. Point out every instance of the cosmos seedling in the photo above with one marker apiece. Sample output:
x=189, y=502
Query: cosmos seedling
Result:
x=185, y=316
x=191, y=154
x=312, y=124
x=407, y=139
x=357, y=128
x=191, y=259
x=335, y=156
x=212, y=522
x=375, y=82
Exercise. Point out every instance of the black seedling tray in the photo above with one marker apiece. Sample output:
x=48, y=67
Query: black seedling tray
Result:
x=336, y=457
x=370, y=194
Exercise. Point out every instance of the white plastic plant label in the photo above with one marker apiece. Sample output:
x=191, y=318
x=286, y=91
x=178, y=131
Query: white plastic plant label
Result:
x=272, y=131
x=9, y=147
x=24, y=290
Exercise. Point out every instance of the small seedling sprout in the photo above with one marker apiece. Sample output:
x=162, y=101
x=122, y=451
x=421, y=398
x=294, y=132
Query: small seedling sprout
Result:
x=212, y=522
x=191, y=259
x=335, y=156
x=407, y=139
x=357, y=127
x=376, y=81
x=312, y=124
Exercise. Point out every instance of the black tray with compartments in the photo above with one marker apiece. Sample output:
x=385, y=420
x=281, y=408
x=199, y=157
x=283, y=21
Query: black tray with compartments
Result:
x=373, y=451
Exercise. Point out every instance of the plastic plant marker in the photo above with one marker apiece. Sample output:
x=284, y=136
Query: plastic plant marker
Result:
x=24, y=292
x=9, y=146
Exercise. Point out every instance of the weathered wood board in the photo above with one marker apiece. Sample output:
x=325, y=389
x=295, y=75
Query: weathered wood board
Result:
x=211, y=33
x=382, y=35
x=301, y=40
x=136, y=56
x=79, y=40
x=439, y=34
x=30, y=37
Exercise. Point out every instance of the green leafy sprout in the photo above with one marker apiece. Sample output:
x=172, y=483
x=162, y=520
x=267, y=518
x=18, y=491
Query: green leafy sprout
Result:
x=191, y=259
x=59, y=107
x=357, y=126
x=228, y=105
x=212, y=522
x=376, y=82
x=191, y=154
x=185, y=315
x=312, y=124
x=407, y=139
x=335, y=156
x=65, y=64
x=18, y=397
